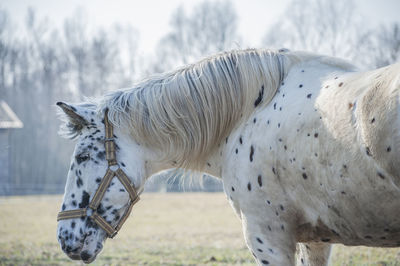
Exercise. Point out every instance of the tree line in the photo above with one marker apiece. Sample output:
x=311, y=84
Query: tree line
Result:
x=41, y=64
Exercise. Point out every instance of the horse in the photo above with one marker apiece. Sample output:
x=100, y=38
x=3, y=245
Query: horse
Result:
x=307, y=147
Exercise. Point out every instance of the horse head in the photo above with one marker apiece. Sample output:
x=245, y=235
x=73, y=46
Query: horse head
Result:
x=81, y=236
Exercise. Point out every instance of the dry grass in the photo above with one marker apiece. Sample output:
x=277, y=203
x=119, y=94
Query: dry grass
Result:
x=164, y=229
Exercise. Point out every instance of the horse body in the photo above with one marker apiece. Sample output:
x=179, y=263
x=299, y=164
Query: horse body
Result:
x=301, y=167
x=313, y=161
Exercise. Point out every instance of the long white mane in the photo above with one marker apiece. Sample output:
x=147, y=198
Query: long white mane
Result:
x=185, y=114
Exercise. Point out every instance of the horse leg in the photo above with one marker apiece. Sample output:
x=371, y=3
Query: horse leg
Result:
x=312, y=254
x=269, y=244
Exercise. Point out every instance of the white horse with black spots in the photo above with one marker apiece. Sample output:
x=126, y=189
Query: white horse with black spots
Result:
x=307, y=149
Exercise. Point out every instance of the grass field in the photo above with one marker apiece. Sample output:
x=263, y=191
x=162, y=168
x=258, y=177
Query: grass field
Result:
x=164, y=229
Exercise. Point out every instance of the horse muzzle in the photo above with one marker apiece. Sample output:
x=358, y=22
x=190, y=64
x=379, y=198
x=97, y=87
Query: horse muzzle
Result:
x=85, y=248
x=85, y=256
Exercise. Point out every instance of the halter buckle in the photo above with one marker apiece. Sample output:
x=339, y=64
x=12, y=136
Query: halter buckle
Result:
x=113, y=234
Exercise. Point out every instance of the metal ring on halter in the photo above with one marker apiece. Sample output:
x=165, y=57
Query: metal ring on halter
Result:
x=114, y=167
x=89, y=212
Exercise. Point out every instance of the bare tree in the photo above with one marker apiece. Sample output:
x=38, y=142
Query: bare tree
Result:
x=76, y=37
x=380, y=46
x=104, y=55
x=322, y=26
x=43, y=66
x=5, y=48
x=330, y=27
x=127, y=39
x=211, y=27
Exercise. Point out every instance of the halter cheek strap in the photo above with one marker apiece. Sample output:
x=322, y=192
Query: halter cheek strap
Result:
x=113, y=170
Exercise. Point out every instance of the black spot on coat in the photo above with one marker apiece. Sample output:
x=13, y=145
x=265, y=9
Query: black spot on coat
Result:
x=251, y=153
x=79, y=182
x=81, y=158
x=368, y=151
x=85, y=200
x=260, y=97
x=101, y=155
x=100, y=210
x=381, y=175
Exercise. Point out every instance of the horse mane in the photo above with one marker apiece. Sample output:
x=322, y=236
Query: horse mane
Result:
x=185, y=114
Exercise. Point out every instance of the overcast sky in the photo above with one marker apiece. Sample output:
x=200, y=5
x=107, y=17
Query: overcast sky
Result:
x=151, y=17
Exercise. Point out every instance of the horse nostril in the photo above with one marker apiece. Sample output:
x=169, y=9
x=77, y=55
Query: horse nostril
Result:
x=85, y=255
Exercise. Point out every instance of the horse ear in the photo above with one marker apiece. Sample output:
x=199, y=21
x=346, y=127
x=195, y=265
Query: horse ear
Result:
x=72, y=114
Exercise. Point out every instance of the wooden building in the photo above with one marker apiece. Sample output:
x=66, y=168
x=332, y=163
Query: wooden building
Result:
x=8, y=123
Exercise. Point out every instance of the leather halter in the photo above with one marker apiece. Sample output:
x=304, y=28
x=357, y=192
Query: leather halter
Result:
x=113, y=170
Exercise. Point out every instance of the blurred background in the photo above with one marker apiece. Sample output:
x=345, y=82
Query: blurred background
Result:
x=67, y=50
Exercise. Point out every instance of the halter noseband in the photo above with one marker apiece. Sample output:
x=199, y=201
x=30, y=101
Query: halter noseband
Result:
x=113, y=170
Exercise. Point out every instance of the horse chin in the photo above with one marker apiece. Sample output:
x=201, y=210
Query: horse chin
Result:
x=90, y=260
x=92, y=247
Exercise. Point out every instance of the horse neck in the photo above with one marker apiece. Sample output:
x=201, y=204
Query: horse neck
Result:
x=153, y=164
x=198, y=107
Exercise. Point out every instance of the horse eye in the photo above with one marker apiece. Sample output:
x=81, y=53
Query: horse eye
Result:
x=82, y=157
